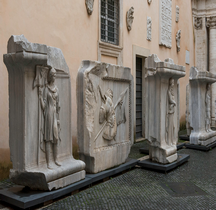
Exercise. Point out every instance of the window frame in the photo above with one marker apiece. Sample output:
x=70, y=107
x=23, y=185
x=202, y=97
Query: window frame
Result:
x=108, y=49
x=107, y=19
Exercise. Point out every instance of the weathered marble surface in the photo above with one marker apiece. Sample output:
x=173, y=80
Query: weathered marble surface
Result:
x=177, y=13
x=149, y=1
x=89, y=6
x=162, y=106
x=199, y=107
x=130, y=18
x=165, y=23
x=204, y=16
x=211, y=24
x=105, y=114
x=149, y=28
x=40, y=116
x=178, y=39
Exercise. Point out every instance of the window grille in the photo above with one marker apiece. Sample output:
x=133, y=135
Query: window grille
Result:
x=110, y=21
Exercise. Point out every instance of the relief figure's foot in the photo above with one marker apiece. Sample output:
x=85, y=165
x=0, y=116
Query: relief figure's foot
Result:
x=49, y=166
x=57, y=163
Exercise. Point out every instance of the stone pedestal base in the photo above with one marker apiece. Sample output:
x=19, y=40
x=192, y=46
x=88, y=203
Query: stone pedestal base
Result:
x=107, y=157
x=50, y=179
x=148, y=164
x=203, y=138
x=165, y=155
x=145, y=150
x=201, y=147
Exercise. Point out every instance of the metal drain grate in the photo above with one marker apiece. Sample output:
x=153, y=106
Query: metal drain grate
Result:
x=182, y=189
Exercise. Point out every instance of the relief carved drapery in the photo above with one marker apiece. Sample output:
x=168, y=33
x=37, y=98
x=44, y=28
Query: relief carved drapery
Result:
x=170, y=111
x=49, y=108
x=130, y=18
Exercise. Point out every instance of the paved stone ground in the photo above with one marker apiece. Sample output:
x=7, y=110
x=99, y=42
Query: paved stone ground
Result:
x=141, y=189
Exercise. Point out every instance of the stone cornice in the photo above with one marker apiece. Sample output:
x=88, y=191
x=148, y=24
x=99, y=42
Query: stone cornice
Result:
x=204, y=12
x=211, y=22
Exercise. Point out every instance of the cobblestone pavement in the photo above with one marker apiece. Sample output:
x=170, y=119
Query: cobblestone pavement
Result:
x=141, y=189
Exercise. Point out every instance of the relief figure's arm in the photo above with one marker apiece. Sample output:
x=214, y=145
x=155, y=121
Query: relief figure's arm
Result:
x=171, y=101
x=58, y=108
x=42, y=98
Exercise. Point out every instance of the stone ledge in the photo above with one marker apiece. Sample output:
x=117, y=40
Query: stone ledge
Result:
x=20, y=197
x=148, y=164
x=145, y=150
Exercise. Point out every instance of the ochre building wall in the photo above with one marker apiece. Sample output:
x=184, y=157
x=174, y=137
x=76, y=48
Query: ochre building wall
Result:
x=65, y=24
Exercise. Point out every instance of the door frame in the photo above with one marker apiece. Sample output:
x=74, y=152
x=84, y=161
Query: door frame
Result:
x=141, y=53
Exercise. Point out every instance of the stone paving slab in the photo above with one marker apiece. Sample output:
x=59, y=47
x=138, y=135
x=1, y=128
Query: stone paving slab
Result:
x=141, y=189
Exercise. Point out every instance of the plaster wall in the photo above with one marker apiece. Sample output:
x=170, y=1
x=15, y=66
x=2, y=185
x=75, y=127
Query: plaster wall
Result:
x=66, y=25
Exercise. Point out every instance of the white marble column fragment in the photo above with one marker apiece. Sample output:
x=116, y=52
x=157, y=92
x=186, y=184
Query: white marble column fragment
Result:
x=211, y=23
x=162, y=106
x=199, y=107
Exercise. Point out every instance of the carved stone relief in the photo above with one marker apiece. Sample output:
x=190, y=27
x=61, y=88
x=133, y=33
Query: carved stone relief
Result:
x=49, y=117
x=89, y=6
x=40, y=134
x=198, y=23
x=105, y=128
x=162, y=105
x=178, y=39
x=208, y=108
x=170, y=110
x=149, y=1
x=111, y=115
x=149, y=28
x=165, y=28
x=211, y=22
x=200, y=107
x=130, y=18
x=177, y=14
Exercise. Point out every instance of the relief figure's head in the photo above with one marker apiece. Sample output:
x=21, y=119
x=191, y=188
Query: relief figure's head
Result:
x=171, y=82
x=52, y=75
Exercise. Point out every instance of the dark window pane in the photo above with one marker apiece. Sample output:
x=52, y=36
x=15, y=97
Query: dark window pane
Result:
x=109, y=21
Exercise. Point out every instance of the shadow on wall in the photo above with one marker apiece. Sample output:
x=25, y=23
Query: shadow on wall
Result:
x=5, y=163
x=75, y=148
x=182, y=125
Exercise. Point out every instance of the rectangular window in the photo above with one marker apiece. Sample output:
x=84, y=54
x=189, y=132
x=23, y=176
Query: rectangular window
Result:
x=110, y=21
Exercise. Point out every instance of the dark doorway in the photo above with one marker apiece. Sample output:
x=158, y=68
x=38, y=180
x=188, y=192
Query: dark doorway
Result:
x=138, y=98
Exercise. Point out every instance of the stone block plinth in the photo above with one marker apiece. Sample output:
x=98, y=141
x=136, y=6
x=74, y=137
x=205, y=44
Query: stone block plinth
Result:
x=199, y=94
x=162, y=105
x=104, y=114
x=40, y=116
